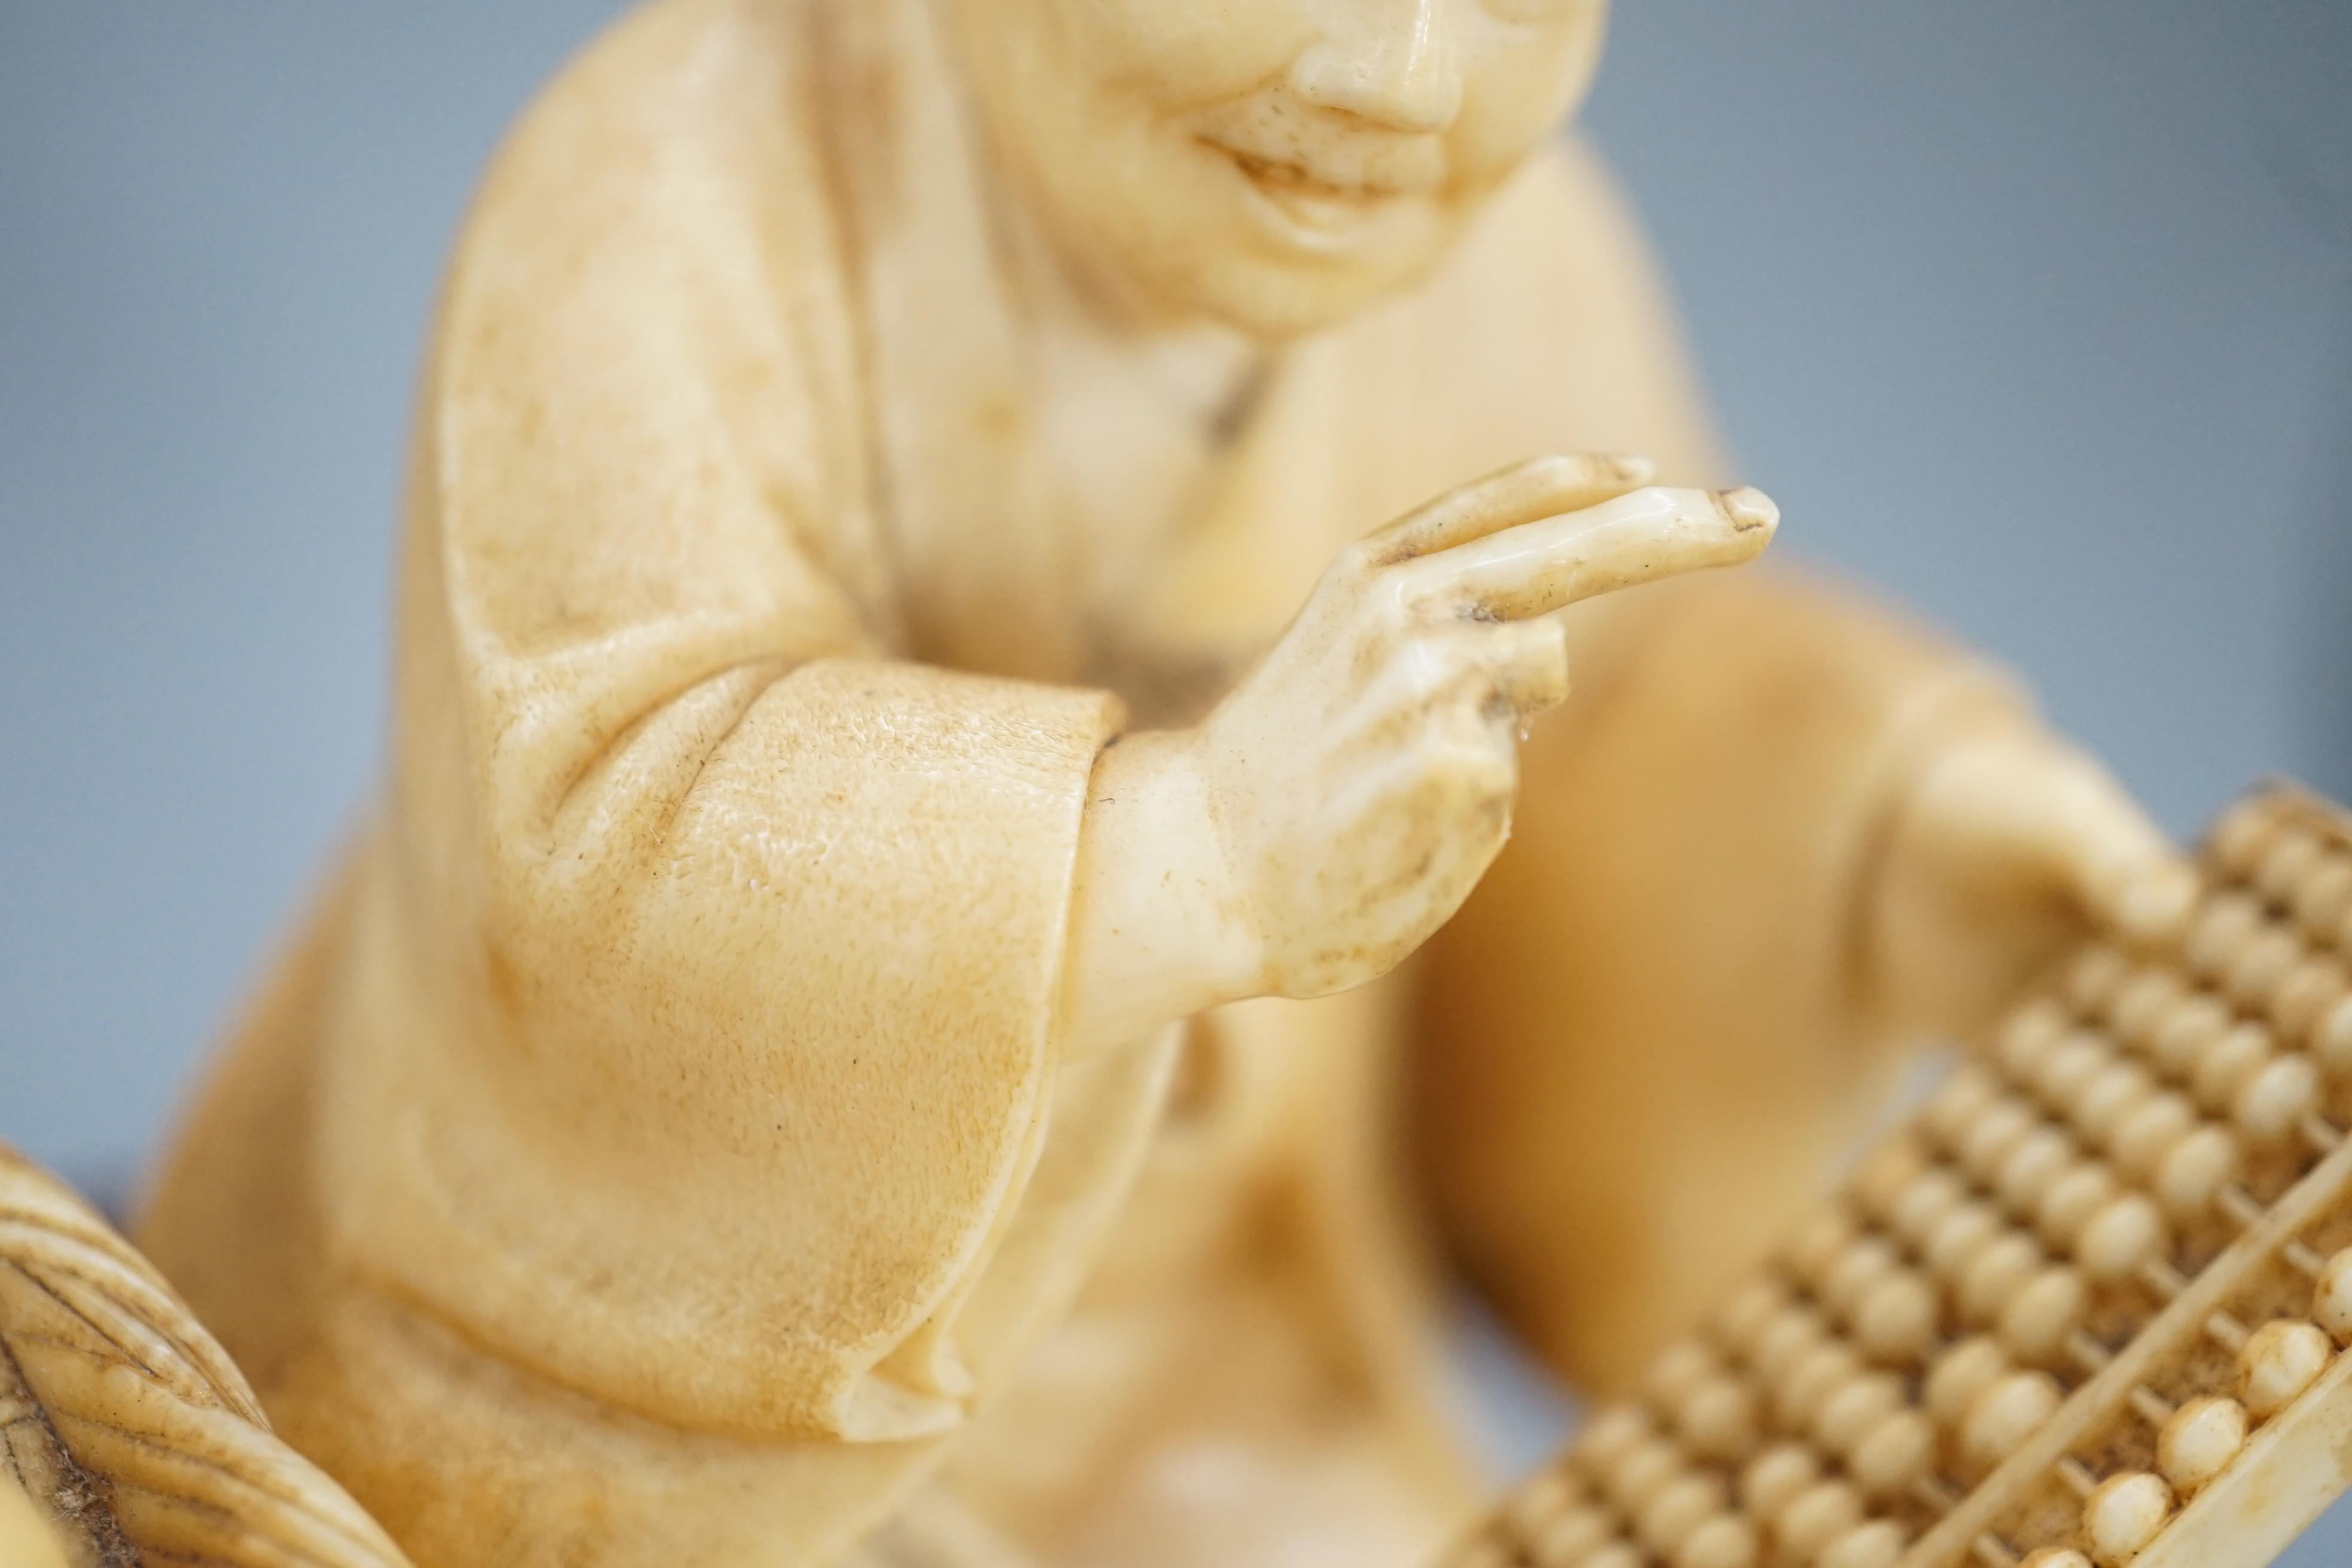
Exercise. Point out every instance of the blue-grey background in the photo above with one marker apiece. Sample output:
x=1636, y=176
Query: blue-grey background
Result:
x=2035, y=313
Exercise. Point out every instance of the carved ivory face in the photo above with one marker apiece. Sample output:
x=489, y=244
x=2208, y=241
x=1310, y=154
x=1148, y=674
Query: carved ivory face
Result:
x=1272, y=164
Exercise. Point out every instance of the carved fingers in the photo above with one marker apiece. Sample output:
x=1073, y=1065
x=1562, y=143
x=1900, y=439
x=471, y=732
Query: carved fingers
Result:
x=1537, y=567
x=1364, y=774
x=1345, y=796
x=1539, y=488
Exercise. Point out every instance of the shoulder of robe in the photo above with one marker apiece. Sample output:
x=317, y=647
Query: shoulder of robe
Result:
x=695, y=111
x=132, y=1433
x=668, y=193
x=678, y=100
x=643, y=384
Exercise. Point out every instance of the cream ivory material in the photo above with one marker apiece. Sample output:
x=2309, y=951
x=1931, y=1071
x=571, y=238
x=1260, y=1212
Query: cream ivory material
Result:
x=131, y=1431
x=677, y=1135
x=26, y=1541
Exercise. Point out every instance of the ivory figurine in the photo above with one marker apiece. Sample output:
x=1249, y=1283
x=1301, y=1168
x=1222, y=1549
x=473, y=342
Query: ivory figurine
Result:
x=850, y=1035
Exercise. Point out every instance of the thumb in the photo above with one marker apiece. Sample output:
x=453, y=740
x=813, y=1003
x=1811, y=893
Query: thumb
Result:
x=2031, y=797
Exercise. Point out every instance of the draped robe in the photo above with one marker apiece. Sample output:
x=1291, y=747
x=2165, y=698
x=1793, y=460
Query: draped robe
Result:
x=657, y=1145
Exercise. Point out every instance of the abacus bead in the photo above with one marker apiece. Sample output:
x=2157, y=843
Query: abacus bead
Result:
x=2279, y=1361
x=2072, y=1063
x=1775, y=1475
x=1812, y=1379
x=1924, y=1202
x=1993, y=1132
x=2144, y=1138
x=1481, y=1555
x=2110, y=1097
x=1885, y=1173
x=1718, y=1418
x=2124, y=1233
x=1878, y=1544
x=2028, y=1036
x=2277, y=1097
x=2325, y=895
x=1968, y=1090
x=1748, y=1310
x=1723, y=1542
x=2071, y=1202
x=2143, y=1000
x=2039, y=1159
x=1572, y=1537
x=2188, y=1032
x=2199, y=1440
x=1860, y=1267
x=1641, y=1472
x=2056, y=1557
x=1892, y=1453
x=2293, y=852
x=1789, y=1333
x=2303, y=997
x=1959, y=1237
x=2006, y=1415
x=2159, y=906
x=2229, y=1062
x=1854, y=1408
x=1679, y=1368
x=2240, y=839
x=1607, y=1438
x=2194, y=1170
x=1668, y=1518
x=1815, y=1518
x=2043, y=1312
x=2093, y=974
x=1819, y=1242
x=1897, y=1319
x=1963, y=1374
x=1540, y=1498
x=2331, y=1039
x=2331, y=1299
x=1995, y=1274
x=2219, y=928
x=2124, y=1515
x=2262, y=964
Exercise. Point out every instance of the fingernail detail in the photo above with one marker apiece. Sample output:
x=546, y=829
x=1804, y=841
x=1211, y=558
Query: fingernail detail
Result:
x=1747, y=508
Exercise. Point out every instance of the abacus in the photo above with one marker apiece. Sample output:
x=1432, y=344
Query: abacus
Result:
x=2086, y=1307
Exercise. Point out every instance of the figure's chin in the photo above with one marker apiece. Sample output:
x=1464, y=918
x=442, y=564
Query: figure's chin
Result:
x=1280, y=296
x=1280, y=302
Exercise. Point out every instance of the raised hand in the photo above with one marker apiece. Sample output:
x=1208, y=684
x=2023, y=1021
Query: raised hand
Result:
x=1344, y=799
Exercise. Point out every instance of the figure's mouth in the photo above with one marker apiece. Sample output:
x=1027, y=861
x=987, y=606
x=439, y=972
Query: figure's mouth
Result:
x=1312, y=203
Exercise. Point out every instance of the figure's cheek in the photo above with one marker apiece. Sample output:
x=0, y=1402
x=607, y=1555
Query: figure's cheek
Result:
x=1519, y=84
x=1183, y=53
